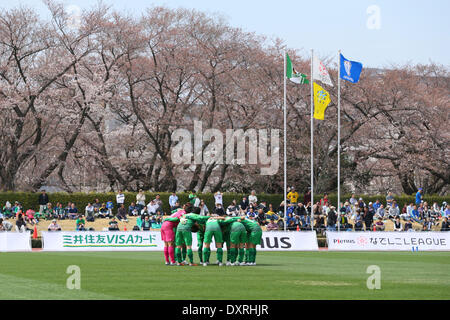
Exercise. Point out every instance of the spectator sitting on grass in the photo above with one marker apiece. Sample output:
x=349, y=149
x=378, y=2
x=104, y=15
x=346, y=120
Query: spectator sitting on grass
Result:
x=376, y=205
x=29, y=217
x=97, y=204
x=271, y=213
x=113, y=225
x=394, y=210
x=54, y=226
x=398, y=224
x=445, y=225
x=122, y=213
x=49, y=212
x=232, y=209
x=152, y=207
x=133, y=210
x=146, y=224
x=447, y=211
x=7, y=210
x=21, y=225
x=261, y=217
x=379, y=225
x=16, y=208
x=89, y=210
x=252, y=198
x=219, y=210
x=358, y=220
x=103, y=211
x=427, y=224
x=5, y=225
x=408, y=225
x=73, y=212
x=243, y=206
x=59, y=211
x=380, y=213
x=272, y=226
x=345, y=224
x=415, y=216
x=80, y=223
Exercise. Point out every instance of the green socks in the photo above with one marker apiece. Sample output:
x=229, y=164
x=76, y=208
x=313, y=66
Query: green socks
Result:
x=241, y=254
x=220, y=254
x=178, y=255
x=233, y=254
x=252, y=255
x=206, y=254
x=200, y=253
x=190, y=255
x=183, y=252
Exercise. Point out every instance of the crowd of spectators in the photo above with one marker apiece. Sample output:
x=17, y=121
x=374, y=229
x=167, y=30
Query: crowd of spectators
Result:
x=152, y=212
x=354, y=214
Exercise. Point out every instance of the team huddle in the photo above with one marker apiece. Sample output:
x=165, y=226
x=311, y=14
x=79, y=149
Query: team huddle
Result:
x=241, y=236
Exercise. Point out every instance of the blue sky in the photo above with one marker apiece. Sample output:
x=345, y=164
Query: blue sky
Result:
x=409, y=31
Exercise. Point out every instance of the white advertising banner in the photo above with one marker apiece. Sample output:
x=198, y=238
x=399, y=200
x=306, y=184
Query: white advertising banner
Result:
x=102, y=241
x=388, y=241
x=281, y=241
x=15, y=241
x=151, y=241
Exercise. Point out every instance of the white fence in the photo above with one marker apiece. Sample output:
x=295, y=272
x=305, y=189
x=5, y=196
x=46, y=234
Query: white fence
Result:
x=15, y=241
x=389, y=241
x=151, y=241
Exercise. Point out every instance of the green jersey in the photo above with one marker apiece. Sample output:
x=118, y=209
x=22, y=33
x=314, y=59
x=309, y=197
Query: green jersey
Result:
x=228, y=223
x=191, y=219
x=251, y=225
x=212, y=224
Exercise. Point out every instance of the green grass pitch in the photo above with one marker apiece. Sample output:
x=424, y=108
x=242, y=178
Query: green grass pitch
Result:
x=278, y=275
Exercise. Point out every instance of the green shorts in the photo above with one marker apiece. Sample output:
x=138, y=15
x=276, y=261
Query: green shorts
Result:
x=255, y=237
x=238, y=237
x=183, y=238
x=218, y=237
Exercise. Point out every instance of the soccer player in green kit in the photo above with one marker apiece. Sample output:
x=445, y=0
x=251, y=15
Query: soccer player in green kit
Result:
x=254, y=235
x=235, y=236
x=238, y=239
x=213, y=230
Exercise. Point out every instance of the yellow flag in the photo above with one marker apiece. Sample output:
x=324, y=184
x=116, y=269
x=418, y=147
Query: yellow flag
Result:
x=321, y=101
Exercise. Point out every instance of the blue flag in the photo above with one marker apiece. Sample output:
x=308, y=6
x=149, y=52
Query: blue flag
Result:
x=350, y=70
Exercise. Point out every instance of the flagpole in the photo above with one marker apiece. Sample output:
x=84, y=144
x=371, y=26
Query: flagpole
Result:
x=312, y=138
x=339, y=143
x=284, y=145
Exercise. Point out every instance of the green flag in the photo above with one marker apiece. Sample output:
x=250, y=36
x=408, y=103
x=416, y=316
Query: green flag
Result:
x=292, y=74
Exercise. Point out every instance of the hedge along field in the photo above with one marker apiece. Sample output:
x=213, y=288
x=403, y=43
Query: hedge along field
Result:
x=30, y=200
